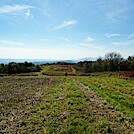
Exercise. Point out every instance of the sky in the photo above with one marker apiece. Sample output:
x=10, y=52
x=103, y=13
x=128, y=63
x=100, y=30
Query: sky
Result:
x=66, y=29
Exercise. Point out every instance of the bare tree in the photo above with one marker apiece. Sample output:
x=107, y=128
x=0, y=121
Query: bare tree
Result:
x=113, y=56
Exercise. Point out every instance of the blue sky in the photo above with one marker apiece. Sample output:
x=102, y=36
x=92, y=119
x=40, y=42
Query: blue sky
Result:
x=66, y=29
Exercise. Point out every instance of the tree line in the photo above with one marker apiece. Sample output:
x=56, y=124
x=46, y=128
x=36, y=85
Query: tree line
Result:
x=112, y=62
x=15, y=68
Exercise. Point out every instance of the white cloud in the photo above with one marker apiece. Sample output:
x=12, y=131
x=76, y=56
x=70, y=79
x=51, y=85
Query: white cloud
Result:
x=14, y=8
x=89, y=39
x=11, y=43
x=125, y=43
x=65, y=24
x=117, y=43
x=92, y=46
x=15, y=13
x=128, y=36
x=112, y=35
x=27, y=13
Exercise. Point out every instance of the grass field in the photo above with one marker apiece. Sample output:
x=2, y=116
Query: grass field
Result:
x=67, y=105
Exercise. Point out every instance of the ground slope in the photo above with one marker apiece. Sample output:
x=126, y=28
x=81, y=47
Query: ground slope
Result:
x=66, y=105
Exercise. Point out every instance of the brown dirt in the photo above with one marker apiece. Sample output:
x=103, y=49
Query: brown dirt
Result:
x=18, y=97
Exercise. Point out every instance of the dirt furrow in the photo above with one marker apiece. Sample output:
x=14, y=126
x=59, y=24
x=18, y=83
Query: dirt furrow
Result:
x=105, y=113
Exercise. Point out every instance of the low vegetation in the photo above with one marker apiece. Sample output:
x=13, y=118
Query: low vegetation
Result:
x=113, y=62
x=117, y=91
x=17, y=68
x=82, y=105
x=89, y=97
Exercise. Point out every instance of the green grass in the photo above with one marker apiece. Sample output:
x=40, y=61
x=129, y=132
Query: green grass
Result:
x=59, y=105
x=105, y=88
x=63, y=109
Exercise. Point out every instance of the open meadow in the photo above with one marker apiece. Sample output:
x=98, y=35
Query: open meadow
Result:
x=66, y=66
x=67, y=105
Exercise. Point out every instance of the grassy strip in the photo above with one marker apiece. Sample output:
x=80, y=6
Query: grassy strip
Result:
x=116, y=83
x=63, y=109
x=79, y=116
x=120, y=102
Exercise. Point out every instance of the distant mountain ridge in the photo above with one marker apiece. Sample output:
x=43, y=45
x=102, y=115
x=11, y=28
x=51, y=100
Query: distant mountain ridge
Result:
x=44, y=61
x=6, y=61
